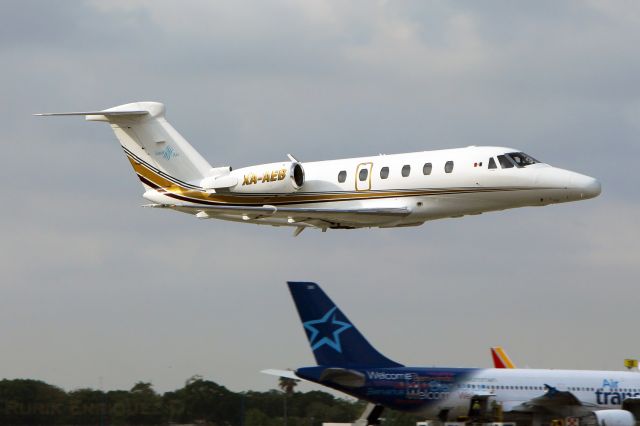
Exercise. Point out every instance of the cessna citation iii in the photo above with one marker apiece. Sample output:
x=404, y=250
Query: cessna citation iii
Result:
x=381, y=191
x=348, y=363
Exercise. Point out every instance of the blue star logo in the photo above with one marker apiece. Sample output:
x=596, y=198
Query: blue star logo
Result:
x=326, y=331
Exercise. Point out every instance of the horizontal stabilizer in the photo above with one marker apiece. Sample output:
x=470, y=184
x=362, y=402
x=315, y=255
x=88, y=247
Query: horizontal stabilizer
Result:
x=282, y=373
x=148, y=138
x=105, y=113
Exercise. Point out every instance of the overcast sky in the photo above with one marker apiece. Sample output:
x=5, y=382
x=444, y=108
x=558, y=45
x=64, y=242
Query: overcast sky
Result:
x=96, y=290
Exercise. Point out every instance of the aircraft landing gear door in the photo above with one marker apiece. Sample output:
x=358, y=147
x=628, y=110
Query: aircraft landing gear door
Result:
x=363, y=176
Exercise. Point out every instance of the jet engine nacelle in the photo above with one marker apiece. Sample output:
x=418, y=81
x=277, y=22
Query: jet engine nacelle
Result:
x=614, y=418
x=278, y=178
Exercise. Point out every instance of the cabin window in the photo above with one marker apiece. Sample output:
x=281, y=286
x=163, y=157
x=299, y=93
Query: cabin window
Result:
x=492, y=163
x=505, y=163
x=342, y=176
x=364, y=173
x=426, y=169
x=406, y=169
x=448, y=167
x=384, y=173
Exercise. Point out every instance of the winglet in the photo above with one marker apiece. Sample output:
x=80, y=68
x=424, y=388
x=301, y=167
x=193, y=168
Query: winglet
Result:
x=551, y=390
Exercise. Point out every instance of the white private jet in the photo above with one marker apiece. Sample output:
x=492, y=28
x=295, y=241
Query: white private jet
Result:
x=381, y=191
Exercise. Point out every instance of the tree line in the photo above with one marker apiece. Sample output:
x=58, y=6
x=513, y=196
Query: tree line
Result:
x=33, y=402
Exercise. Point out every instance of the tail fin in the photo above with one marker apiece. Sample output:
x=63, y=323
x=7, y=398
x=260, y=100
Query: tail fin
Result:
x=500, y=358
x=158, y=153
x=333, y=339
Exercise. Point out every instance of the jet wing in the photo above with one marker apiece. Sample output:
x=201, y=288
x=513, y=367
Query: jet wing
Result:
x=552, y=399
x=296, y=216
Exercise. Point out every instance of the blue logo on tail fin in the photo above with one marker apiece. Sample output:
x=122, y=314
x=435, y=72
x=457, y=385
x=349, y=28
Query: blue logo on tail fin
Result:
x=167, y=153
x=326, y=331
x=334, y=340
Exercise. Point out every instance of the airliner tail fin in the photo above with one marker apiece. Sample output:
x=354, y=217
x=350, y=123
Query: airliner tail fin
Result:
x=334, y=340
x=158, y=153
x=500, y=358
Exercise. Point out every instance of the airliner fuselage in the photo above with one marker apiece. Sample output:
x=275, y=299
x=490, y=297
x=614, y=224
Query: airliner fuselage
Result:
x=447, y=392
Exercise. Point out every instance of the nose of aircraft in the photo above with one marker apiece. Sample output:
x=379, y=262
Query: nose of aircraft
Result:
x=565, y=185
x=586, y=186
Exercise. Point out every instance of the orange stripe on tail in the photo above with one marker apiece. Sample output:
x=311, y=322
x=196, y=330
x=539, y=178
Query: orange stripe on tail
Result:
x=500, y=358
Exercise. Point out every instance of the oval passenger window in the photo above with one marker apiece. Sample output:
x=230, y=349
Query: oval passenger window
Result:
x=448, y=167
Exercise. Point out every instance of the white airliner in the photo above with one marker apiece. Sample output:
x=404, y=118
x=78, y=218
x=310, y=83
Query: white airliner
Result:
x=380, y=191
x=347, y=362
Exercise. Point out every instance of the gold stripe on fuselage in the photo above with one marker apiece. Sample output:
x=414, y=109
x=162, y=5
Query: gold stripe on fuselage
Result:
x=203, y=197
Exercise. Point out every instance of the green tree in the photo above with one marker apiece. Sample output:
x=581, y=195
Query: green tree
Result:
x=208, y=401
x=87, y=407
x=255, y=417
x=35, y=402
x=144, y=405
x=143, y=388
x=24, y=401
x=287, y=385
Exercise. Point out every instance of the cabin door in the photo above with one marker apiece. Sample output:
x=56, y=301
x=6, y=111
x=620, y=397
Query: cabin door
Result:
x=363, y=176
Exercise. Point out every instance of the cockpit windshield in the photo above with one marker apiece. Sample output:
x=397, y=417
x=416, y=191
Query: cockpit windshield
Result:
x=521, y=159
